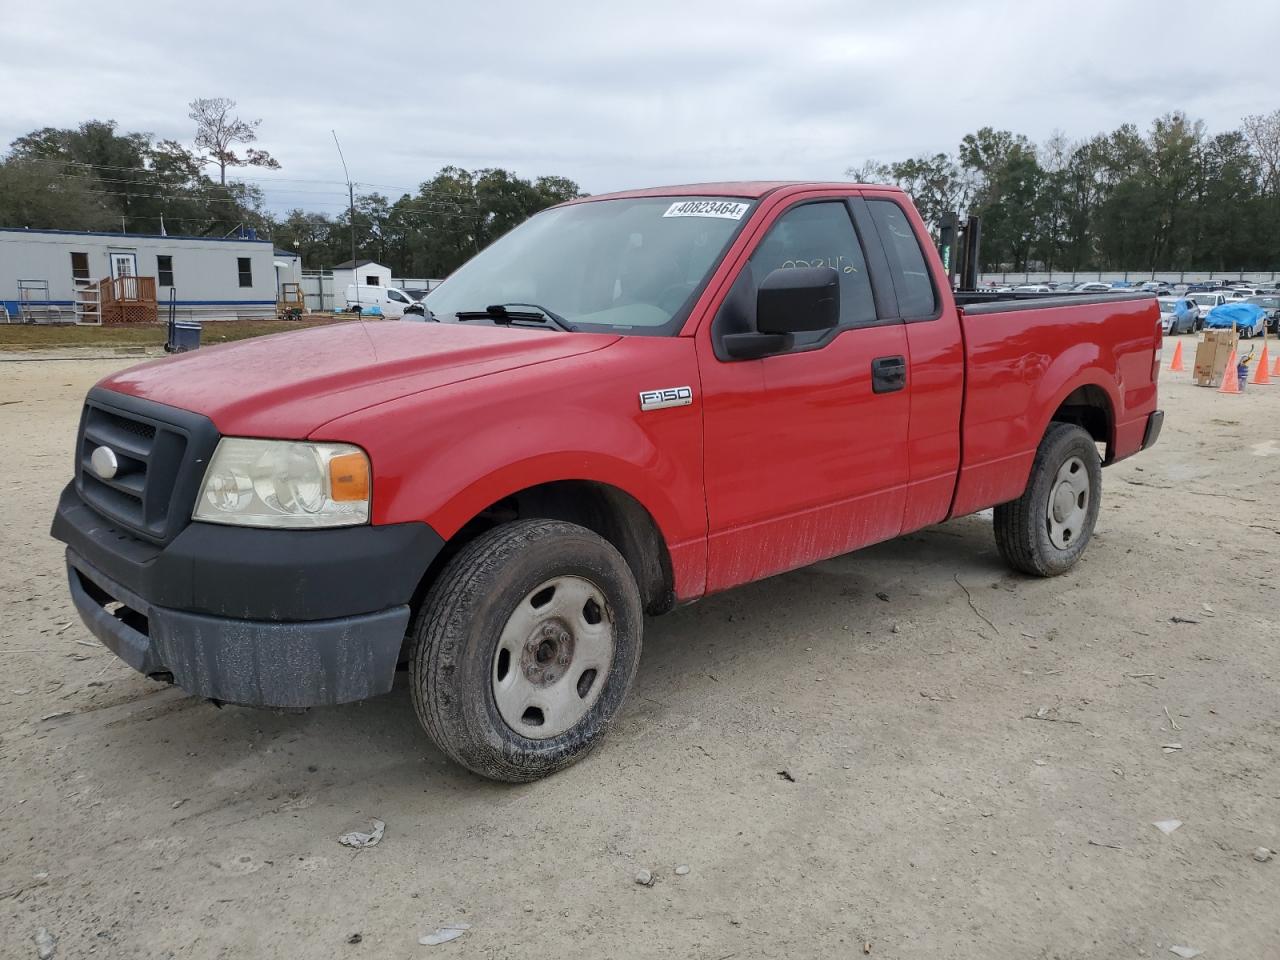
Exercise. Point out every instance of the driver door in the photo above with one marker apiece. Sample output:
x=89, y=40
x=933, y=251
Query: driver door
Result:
x=806, y=451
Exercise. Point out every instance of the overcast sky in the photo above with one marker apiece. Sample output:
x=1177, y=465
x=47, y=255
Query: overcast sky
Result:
x=622, y=95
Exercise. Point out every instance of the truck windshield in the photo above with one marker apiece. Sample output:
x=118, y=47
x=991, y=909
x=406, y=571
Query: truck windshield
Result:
x=630, y=265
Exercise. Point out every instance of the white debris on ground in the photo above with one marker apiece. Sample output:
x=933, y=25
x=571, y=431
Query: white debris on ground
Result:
x=359, y=839
x=444, y=934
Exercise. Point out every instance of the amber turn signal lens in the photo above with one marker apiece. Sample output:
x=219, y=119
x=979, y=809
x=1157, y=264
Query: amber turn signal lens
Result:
x=349, y=477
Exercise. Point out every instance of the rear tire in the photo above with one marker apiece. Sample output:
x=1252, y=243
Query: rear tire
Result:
x=1045, y=531
x=483, y=689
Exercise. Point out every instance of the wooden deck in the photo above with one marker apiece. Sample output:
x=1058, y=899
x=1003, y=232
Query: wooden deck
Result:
x=128, y=300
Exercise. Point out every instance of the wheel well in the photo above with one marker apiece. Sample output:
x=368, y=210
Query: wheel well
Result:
x=612, y=513
x=1089, y=407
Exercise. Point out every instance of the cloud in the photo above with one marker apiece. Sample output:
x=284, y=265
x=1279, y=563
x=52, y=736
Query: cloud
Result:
x=617, y=96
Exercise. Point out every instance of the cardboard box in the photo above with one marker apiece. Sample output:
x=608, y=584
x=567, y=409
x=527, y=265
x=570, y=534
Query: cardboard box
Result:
x=1212, y=353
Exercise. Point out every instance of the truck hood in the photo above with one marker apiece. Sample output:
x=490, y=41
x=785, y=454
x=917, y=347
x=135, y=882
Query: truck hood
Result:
x=289, y=384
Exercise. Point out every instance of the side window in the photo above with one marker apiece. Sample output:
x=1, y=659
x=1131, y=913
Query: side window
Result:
x=907, y=265
x=164, y=270
x=820, y=235
x=244, y=266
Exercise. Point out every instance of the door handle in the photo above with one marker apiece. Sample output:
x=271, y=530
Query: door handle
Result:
x=888, y=374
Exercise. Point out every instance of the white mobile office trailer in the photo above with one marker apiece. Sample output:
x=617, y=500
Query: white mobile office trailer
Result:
x=210, y=278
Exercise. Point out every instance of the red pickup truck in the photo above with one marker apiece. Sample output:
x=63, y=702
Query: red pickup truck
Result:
x=628, y=402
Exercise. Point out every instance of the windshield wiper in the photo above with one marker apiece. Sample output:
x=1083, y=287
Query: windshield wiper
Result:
x=499, y=313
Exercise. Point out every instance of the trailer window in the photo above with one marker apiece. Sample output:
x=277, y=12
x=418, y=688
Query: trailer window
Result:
x=164, y=270
x=907, y=267
x=820, y=235
x=371, y=280
x=80, y=266
x=245, y=266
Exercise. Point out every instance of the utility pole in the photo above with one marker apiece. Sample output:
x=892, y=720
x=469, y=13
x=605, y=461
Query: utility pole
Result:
x=351, y=214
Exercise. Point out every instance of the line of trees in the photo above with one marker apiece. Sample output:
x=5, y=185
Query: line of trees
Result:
x=1172, y=198
x=97, y=177
x=431, y=232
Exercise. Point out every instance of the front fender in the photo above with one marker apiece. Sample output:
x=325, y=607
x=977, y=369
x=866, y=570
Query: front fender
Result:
x=445, y=455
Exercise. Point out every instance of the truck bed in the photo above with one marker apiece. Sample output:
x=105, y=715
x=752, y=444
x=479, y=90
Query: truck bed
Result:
x=1025, y=357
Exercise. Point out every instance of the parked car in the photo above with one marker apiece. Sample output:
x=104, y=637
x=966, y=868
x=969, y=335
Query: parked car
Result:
x=1178, y=315
x=1244, y=293
x=1248, y=319
x=392, y=301
x=713, y=386
x=1270, y=303
x=1092, y=286
x=1205, y=302
x=1033, y=288
x=1158, y=287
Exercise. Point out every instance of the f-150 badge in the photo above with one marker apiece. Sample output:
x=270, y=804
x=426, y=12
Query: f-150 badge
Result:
x=666, y=397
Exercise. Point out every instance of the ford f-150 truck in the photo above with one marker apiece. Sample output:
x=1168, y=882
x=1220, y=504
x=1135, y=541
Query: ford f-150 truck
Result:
x=628, y=402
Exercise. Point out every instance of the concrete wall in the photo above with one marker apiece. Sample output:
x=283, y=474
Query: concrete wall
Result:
x=206, y=275
x=1260, y=277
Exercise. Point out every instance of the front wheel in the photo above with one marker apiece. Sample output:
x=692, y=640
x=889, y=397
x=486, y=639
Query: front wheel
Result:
x=525, y=647
x=1045, y=531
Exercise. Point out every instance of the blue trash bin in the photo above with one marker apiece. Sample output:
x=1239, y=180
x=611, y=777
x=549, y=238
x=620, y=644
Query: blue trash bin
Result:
x=186, y=336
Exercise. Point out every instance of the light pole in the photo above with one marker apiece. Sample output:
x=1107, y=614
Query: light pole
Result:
x=351, y=214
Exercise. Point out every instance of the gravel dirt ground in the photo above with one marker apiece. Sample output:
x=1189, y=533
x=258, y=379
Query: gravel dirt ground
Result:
x=908, y=751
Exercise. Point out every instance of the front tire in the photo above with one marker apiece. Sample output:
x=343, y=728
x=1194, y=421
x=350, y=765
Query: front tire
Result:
x=525, y=648
x=1045, y=531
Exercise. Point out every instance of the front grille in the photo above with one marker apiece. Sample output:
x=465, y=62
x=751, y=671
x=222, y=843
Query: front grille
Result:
x=152, y=490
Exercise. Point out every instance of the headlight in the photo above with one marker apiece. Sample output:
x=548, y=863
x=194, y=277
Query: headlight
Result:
x=279, y=483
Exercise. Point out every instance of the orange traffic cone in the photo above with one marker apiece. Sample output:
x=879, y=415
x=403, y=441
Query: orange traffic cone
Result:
x=1260, y=373
x=1175, y=365
x=1276, y=370
x=1230, y=378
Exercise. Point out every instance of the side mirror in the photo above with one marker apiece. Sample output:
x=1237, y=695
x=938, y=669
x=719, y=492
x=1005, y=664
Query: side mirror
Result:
x=798, y=300
x=791, y=300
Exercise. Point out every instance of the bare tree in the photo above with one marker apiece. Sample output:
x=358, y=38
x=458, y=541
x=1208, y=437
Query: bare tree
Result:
x=870, y=171
x=218, y=131
x=1263, y=134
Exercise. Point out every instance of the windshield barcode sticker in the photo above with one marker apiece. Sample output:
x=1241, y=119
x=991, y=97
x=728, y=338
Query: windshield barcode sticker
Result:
x=725, y=209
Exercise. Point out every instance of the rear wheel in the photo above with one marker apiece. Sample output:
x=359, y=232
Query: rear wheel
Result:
x=1045, y=531
x=525, y=648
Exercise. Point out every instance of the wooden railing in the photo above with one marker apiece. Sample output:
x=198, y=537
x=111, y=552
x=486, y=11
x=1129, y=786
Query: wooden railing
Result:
x=128, y=291
x=127, y=299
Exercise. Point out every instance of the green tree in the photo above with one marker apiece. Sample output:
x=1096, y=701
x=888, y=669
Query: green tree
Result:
x=44, y=195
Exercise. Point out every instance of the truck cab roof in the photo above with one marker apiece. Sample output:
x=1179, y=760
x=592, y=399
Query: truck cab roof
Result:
x=746, y=189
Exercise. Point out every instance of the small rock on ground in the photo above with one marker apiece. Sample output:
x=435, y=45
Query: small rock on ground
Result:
x=46, y=944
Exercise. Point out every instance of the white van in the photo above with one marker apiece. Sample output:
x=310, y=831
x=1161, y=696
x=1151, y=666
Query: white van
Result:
x=390, y=300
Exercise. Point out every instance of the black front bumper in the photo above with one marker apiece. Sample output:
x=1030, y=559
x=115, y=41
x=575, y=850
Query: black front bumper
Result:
x=284, y=618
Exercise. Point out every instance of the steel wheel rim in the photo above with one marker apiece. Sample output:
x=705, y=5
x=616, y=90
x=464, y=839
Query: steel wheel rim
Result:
x=553, y=657
x=1068, y=505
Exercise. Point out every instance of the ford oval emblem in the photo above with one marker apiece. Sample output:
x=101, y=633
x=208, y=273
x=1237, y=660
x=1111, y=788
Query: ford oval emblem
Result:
x=104, y=462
